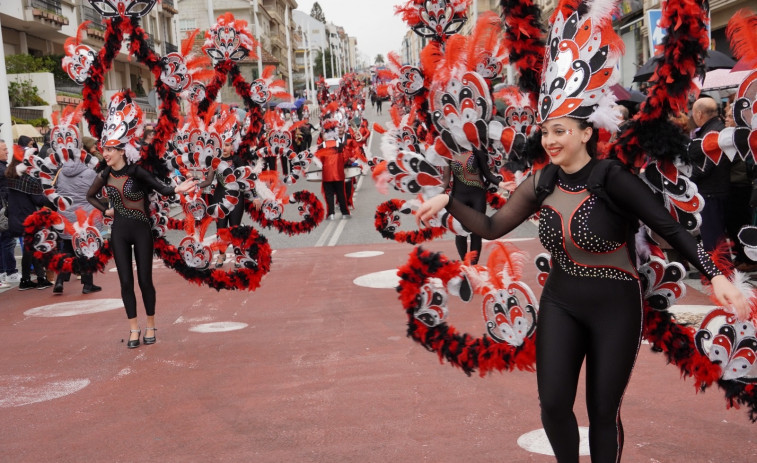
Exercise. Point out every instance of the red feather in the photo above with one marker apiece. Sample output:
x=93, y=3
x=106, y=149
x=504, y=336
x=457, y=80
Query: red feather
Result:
x=742, y=33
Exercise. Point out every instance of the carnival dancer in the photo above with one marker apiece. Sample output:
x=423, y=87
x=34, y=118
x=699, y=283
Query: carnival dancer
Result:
x=228, y=129
x=591, y=306
x=471, y=177
x=126, y=183
x=331, y=157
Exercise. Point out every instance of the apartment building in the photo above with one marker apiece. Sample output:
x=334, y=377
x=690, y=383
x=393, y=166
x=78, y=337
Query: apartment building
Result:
x=41, y=27
x=270, y=22
x=318, y=37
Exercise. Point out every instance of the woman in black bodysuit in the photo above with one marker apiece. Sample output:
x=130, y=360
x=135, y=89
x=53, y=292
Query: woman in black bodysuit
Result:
x=591, y=306
x=233, y=218
x=126, y=186
x=470, y=176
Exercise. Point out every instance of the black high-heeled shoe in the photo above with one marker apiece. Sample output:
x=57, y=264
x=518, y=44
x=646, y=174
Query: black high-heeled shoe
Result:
x=150, y=340
x=133, y=342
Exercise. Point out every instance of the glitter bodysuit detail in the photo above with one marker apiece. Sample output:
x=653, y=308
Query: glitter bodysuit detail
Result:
x=465, y=169
x=575, y=246
x=127, y=199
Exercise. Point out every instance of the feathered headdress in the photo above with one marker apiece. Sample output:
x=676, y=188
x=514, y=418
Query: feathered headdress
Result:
x=65, y=140
x=434, y=19
x=79, y=58
x=123, y=8
x=123, y=125
x=180, y=70
x=266, y=87
x=742, y=139
x=229, y=39
x=580, y=64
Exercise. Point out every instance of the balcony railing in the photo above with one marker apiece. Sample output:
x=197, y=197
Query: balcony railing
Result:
x=27, y=113
x=90, y=14
x=168, y=5
x=47, y=5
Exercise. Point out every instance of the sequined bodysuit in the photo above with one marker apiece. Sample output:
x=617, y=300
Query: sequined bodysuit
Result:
x=126, y=190
x=591, y=307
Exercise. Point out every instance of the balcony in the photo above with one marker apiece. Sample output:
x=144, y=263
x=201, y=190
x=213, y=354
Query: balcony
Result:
x=53, y=6
x=278, y=41
x=47, y=11
x=96, y=27
x=168, y=5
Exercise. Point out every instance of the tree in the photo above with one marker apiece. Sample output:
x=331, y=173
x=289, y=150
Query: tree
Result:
x=317, y=13
x=379, y=59
x=318, y=64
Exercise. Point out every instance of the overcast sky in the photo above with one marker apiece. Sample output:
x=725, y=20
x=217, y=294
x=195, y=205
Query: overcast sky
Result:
x=371, y=22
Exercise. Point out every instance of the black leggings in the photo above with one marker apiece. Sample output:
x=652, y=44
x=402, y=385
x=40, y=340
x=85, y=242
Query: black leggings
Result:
x=124, y=234
x=600, y=320
x=474, y=198
x=235, y=216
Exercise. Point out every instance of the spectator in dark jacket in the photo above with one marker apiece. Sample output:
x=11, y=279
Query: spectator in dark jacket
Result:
x=24, y=198
x=8, y=271
x=712, y=180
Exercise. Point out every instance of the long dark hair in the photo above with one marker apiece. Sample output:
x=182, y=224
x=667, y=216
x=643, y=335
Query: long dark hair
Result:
x=10, y=171
x=591, y=145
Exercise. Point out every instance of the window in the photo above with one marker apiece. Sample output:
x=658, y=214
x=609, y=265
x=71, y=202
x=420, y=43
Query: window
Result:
x=187, y=25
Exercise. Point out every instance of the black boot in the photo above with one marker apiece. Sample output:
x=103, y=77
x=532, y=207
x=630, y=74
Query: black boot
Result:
x=58, y=288
x=89, y=286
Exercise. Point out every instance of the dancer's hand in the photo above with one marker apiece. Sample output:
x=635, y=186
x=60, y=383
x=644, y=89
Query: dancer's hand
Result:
x=430, y=208
x=730, y=297
x=507, y=186
x=109, y=213
x=186, y=185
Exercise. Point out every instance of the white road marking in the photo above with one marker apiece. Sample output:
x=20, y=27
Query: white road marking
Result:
x=536, y=442
x=218, y=327
x=14, y=393
x=71, y=308
x=386, y=279
x=360, y=254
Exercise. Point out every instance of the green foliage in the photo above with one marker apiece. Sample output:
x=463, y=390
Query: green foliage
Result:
x=24, y=64
x=41, y=122
x=379, y=59
x=24, y=94
x=318, y=65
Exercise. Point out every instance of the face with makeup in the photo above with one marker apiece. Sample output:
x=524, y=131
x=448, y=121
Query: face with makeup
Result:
x=114, y=157
x=565, y=143
x=228, y=149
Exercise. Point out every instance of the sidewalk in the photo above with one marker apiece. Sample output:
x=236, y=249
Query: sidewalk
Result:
x=311, y=367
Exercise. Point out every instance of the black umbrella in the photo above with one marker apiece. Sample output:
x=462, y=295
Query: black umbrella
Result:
x=627, y=97
x=714, y=60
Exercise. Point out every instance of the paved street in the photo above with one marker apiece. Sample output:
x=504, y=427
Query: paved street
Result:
x=312, y=367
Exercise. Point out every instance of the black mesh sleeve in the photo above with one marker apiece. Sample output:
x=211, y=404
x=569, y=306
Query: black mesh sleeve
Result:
x=147, y=179
x=630, y=193
x=94, y=190
x=521, y=205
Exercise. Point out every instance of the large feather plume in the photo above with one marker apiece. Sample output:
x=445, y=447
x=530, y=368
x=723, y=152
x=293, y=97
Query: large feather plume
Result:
x=742, y=33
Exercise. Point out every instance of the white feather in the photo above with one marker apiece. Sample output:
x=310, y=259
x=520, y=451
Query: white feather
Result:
x=601, y=9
